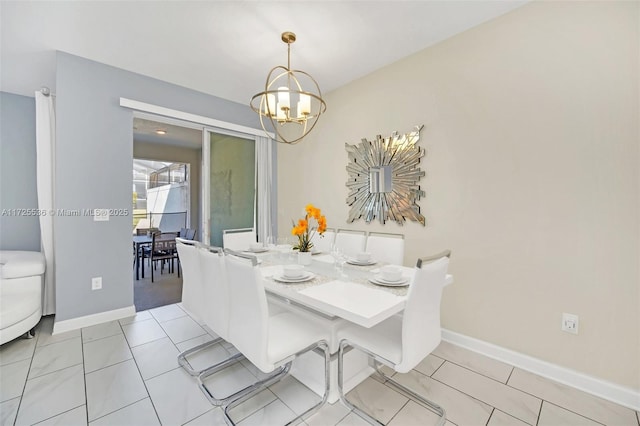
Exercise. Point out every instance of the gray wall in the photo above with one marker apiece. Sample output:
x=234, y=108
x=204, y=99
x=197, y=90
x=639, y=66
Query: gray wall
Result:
x=94, y=157
x=18, y=172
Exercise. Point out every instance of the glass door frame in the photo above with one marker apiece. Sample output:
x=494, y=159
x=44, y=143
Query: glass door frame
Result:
x=208, y=124
x=205, y=216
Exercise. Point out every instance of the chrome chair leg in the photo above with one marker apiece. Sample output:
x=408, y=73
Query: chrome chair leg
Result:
x=388, y=380
x=182, y=356
x=257, y=387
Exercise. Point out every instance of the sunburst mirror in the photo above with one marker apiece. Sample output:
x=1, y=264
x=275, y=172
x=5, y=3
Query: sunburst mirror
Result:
x=383, y=178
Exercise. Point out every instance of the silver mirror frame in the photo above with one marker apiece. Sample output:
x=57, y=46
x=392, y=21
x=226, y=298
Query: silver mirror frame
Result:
x=395, y=202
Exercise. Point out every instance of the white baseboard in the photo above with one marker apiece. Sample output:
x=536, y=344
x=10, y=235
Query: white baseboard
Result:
x=625, y=396
x=93, y=319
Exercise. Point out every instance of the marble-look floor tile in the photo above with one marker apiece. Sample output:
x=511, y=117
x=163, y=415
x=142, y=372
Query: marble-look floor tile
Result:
x=101, y=331
x=275, y=413
x=181, y=329
x=192, y=343
x=213, y=417
x=75, y=417
x=17, y=350
x=112, y=388
x=56, y=356
x=52, y=394
x=498, y=418
x=255, y=371
x=168, y=312
x=377, y=400
x=140, y=413
x=177, y=397
x=141, y=332
x=253, y=404
x=505, y=398
x=461, y=408
x=328, y=414
x=295, y=395
x=228, y=381
x=429, y=365
x=139, y=316
x=8, y=411
x=572, y=399
x=486, y=366
x=206, y=357
x=415, y=414
x=352, y=419
x=156, y=357
x=12, y=379
x=210, y=331
x=552, y=415
x=45, y=330
x=105, y=352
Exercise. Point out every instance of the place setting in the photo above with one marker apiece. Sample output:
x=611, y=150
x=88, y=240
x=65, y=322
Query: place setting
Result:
x=362, y=258
x=292, y=274
x=390, y=276
x=256, y=248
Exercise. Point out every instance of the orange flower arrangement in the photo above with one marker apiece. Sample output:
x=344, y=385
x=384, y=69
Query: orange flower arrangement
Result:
x=305, y=232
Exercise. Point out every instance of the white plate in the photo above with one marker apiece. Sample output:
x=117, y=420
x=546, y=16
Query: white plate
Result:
x=360, y=263
x=306, y=277
x=379, y=281
x=260, y=250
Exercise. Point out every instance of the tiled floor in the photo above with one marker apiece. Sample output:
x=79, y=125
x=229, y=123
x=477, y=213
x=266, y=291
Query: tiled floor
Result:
x=125, y=373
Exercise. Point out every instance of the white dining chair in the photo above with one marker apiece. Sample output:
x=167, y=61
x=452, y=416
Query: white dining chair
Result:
x=216, y=317
x=324, y=242
x=268, y=341
x=192, y=288
x=387, y=248
x=349, y=241
x=203, y=293
x=402, y=341
x=238, y=239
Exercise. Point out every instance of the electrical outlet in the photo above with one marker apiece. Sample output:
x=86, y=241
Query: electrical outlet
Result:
x=570, y=323
x=96, y=283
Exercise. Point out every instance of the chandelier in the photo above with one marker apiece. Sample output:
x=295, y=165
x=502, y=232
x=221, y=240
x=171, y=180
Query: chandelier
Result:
x=291, y=102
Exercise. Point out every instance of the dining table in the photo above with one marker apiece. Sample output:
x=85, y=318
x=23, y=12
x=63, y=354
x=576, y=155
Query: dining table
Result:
x=337, y=289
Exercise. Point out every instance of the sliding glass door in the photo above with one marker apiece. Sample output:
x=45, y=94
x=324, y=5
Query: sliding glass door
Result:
x=229, y=177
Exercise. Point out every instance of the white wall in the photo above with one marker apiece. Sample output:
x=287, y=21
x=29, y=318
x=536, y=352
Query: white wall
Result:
x=531, y=131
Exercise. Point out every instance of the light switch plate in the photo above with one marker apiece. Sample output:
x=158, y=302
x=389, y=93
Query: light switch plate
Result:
x=101, y=215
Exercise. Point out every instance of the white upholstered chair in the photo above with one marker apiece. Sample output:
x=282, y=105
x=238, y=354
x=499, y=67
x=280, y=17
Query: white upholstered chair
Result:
x=192, y=287
x=402, y=341
x=238, y=239
x=216, y=315
x=350, y=242
x=387, y=248
x=202, y=270
x=268, y=341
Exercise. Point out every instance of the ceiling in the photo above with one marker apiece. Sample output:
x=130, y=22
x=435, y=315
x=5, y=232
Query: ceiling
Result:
x=178, y=135
x=226, y=48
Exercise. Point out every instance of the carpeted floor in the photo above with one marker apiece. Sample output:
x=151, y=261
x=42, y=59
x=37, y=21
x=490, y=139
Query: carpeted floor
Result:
x=165, y=289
